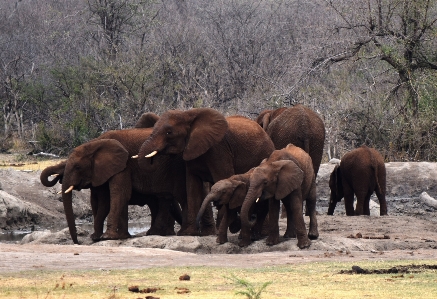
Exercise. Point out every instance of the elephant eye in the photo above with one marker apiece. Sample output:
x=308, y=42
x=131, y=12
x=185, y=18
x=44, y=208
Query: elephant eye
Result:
x=169, y=132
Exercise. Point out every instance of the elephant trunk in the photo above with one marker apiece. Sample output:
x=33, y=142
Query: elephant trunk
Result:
x=68, y=209
x=205, y=204
x=332, y=205
x=145, y=157
x=50, y=171
x=252, y=195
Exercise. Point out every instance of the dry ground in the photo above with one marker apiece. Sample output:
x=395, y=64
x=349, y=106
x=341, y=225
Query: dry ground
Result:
x=408, y=233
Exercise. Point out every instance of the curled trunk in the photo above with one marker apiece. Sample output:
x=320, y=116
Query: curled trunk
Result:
x=57, y=171
x=206, y=203
x=252, y=195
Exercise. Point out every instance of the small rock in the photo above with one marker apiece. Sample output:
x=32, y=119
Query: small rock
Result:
x=184, y=277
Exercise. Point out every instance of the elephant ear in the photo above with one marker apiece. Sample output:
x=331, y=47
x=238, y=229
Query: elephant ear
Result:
x=208, y=128
x=263, y=119
x=290, y=178
x=147, y=120
x=238, y=195
x=110, y=157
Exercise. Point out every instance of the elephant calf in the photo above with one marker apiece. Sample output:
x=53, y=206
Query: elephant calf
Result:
x=287, y=175
x=228, y=195
x=361, y=172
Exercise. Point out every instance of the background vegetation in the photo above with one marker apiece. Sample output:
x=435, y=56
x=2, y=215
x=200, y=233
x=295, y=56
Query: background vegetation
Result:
x=72, y=69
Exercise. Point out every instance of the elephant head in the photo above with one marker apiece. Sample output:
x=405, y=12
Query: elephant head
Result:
x=191, y=132
x=271, y=179
x=267, y=116
x=90, y=165
x=147, y=120
x=57, y=171
x=336, y=186
x=229, y=192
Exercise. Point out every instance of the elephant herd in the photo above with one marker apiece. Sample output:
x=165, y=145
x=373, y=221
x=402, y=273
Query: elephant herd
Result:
x=181, y=162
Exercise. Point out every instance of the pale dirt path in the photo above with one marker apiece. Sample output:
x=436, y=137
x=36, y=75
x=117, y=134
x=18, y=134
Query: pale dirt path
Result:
x=15, y=258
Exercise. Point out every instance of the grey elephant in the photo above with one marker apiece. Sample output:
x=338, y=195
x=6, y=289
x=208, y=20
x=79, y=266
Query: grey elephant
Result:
x=287, y=175
x=361, y=172
x=228, y=195
x=105, y=166
x=298, y=125
x=213, y=147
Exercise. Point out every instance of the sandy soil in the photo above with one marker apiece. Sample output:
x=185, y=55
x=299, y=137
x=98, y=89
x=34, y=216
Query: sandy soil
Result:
x=408, y=233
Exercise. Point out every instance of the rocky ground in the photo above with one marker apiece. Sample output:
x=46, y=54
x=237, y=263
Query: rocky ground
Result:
x=409, y=232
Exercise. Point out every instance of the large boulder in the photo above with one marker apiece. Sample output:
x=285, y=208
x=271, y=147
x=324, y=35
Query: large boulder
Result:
x=16, y=213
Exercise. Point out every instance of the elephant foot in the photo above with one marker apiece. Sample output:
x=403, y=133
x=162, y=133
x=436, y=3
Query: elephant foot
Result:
x=222, y=239
x=115, y=236
x=244, y=243
x=272, y=240
x=256, y=236
x=160, y=232
x=189, y=231
x=95, y=236
x=313, y=235
x=290, y=234
x=303, y=243
x=208, y=231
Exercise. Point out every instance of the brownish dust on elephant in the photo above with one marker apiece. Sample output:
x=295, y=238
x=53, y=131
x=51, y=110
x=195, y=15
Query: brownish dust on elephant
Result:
x=228, y=195
x=287, y=175
x=105, y=165
x=361, y=172
x=213, y=147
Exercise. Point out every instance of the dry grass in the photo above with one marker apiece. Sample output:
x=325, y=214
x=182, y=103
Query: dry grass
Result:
x=24, y=162
x=311, y=280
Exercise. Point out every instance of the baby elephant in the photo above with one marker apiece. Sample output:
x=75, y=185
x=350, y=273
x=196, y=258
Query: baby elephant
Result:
x=228, y=195
x=287, y=175
x=361, y=172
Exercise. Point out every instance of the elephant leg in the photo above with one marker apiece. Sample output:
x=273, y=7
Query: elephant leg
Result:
x=349, y=201
x=362, y=207
x=382, y=202
x=290, y=232
x=262, y=209
x=283, y=212
x=120, y=190
x=299, y=224
x=222, y=236
x=274, y=206
x=162, y=220
x=100, y=206
x=220, y=212
x=311, y=201
x=195, y=188
x=123, y=222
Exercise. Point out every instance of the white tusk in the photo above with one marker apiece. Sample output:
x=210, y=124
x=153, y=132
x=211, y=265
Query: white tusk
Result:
x=151, y=154
x=257, y=199
x=69, y=189
x=55, y=174
x=59, y=192
x=135, y=157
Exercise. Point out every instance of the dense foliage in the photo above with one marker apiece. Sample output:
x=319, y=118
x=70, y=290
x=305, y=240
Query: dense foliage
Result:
x=70, y=70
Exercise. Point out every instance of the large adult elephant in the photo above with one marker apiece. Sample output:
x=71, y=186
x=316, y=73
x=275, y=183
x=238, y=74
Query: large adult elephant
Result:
x=298, y=125
x=213, y=148
x=361, y=172
x=105, y=165
x=287, y=175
